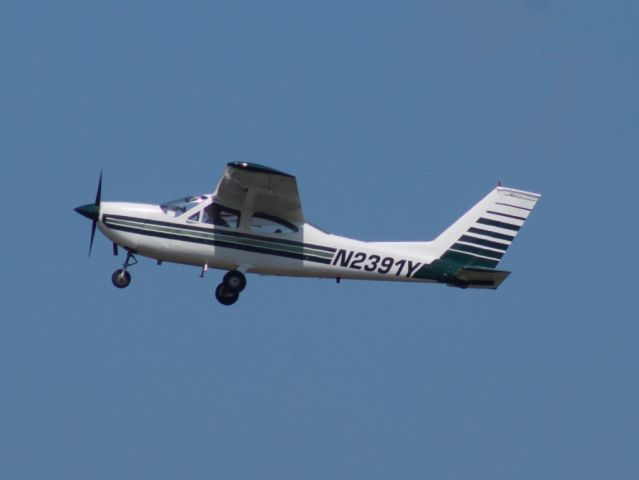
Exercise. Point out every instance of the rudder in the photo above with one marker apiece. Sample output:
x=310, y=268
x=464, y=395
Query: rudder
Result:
x=482, y=235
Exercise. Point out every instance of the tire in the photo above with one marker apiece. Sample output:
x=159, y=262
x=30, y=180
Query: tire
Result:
x=234, y=281
x=121, y=278
x=224, y=296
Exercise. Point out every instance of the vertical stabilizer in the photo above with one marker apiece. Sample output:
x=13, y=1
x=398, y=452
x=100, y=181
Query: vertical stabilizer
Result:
x=483, y=234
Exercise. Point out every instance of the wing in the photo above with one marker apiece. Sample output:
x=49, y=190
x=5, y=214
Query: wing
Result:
x=260, y=189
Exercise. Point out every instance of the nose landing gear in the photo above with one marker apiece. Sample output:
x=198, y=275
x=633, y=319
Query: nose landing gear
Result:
x=229, y=290
x=121, y=278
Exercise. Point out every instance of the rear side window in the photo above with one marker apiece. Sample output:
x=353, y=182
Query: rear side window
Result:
x=265, y=223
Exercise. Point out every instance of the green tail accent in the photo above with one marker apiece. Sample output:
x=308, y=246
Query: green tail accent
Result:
x=448, y=266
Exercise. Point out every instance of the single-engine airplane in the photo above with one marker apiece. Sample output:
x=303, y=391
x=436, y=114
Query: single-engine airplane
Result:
x=253, y=223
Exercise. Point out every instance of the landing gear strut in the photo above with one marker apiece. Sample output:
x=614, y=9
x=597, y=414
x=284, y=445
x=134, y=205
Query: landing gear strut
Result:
x=121, y=278
x=229, y=290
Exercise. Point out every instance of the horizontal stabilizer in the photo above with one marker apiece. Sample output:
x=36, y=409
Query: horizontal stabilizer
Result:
x=472, y=277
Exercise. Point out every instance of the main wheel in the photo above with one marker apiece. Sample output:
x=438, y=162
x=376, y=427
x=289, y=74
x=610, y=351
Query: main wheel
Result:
x=121, y=278
x=234, y=281
x=224, y=296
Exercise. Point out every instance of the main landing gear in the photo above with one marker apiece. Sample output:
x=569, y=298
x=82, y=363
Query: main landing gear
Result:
x=229, y=290
x=226, y=292
x=121, y=278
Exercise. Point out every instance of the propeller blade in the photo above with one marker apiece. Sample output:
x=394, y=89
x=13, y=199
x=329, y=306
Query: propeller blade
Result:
x=98, y=199
x=98, y=195
x=93, y=225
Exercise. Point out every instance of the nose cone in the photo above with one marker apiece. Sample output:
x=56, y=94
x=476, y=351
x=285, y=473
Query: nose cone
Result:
x=90, y=210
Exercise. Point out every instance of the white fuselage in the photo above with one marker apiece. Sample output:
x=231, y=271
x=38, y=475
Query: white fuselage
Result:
x=148, y=230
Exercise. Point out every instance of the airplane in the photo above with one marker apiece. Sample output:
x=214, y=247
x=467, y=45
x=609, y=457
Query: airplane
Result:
x=253, y=223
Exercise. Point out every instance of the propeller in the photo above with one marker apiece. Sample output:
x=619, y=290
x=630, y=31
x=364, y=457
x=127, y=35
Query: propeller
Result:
x=92, y=211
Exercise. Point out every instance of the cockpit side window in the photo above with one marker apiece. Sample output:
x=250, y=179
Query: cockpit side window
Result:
x=265, y=223
x=221, y=216
x=175, y=208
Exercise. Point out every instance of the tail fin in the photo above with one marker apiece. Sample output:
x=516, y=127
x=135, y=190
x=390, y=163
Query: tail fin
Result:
x=483, y=234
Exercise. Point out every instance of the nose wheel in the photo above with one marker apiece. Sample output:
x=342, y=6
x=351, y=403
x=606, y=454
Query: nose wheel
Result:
x=121, y=278
x=229, y=290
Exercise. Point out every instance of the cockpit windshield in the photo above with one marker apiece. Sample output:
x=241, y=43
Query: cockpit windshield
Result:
x=175, y=208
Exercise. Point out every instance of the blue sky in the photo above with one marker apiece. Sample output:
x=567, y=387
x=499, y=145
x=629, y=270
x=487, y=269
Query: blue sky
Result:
x=395, y=119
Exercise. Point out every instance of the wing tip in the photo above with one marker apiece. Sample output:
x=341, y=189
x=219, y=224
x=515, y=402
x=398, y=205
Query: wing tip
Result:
x=257, y=168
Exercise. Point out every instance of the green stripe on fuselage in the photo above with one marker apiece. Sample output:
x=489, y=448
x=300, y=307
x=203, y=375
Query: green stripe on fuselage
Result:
x=262, y=242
